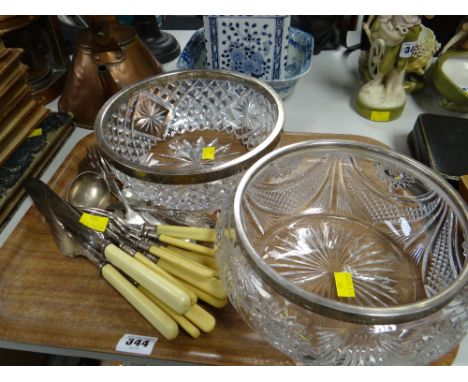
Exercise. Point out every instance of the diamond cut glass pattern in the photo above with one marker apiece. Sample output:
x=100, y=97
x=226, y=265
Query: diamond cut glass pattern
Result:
x=205, y=108
x=393, y=176
x=160, y=128
x=184, y=152
x=152, y=114
x=354, y=211
x=311, y=212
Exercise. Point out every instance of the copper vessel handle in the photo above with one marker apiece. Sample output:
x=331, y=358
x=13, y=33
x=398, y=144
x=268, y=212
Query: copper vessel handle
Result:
x=99, y=26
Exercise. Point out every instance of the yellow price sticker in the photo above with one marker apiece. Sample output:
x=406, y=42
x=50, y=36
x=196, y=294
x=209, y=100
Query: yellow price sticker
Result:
x=208, y=153
x=36, y=132
x=95, y=222
x=380, y=116
x=344, y=284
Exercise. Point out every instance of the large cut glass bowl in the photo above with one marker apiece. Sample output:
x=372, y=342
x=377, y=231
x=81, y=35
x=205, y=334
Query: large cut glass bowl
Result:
x=182, y=139
x=340, y=253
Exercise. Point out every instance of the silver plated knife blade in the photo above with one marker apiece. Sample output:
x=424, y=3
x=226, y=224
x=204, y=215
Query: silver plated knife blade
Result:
x=89, y=239
x=54, y=208
x=44, y=198
x=66, y=242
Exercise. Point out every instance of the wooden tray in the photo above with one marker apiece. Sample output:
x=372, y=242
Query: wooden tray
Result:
x=49, y=300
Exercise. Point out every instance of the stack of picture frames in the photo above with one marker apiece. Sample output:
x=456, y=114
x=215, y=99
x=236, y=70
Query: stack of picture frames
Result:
x=30, y=134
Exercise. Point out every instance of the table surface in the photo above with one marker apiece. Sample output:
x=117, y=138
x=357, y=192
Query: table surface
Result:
x=322, y=102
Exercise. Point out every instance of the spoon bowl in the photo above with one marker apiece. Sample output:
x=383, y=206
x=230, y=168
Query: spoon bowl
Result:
x=89, y=189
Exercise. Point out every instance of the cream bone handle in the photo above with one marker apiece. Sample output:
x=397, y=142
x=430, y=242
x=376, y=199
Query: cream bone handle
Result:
x=200, y=317
x=207, y=261
x=196, y=315
x=154, y=314
x=213, y=301
x=184, y=323
x=212, y=286
x=204, y=250
x=185, y=263
x=160, y=287
x=150, y=264
x=193, y=233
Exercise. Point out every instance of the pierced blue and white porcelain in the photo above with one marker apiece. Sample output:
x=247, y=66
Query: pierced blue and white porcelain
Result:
x=253, y=45
x=300, y=50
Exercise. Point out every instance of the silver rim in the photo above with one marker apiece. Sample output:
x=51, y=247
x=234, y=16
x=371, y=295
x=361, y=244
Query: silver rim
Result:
x=214, y=173
x=337, y=310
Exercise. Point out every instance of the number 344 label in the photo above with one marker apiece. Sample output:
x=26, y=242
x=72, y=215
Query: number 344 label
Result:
x=407, y=49
x=131, y=343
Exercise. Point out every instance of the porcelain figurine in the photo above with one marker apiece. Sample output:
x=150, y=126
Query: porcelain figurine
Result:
x=426, y=46
x=392, y=42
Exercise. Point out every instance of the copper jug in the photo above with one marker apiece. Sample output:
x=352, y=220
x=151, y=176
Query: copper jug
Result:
x=115, y=51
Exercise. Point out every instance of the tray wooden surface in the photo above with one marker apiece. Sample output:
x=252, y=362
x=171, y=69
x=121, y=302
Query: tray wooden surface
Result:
x=47, y=299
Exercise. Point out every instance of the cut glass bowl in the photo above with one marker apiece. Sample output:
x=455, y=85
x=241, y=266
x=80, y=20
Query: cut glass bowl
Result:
x=340, y=253
x=181, y=140
x=300, y=50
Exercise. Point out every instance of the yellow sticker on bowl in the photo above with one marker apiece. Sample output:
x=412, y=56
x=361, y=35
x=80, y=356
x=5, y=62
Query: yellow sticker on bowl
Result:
x=344, y=284
x=208, y=153
x=36, y=132
x=95, y=222
x=380, y=116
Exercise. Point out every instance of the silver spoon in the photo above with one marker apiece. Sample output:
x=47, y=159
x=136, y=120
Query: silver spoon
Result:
x=90, y=189
x=94, y=161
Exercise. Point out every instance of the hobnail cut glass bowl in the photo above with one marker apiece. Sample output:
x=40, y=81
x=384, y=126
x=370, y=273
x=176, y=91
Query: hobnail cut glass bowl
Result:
x=182, y=139
x=300, y=51
x=390, y=226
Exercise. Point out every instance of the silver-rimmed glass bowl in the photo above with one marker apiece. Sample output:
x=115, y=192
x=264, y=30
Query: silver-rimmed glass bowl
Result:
x=182, y=139
x=341, y=253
